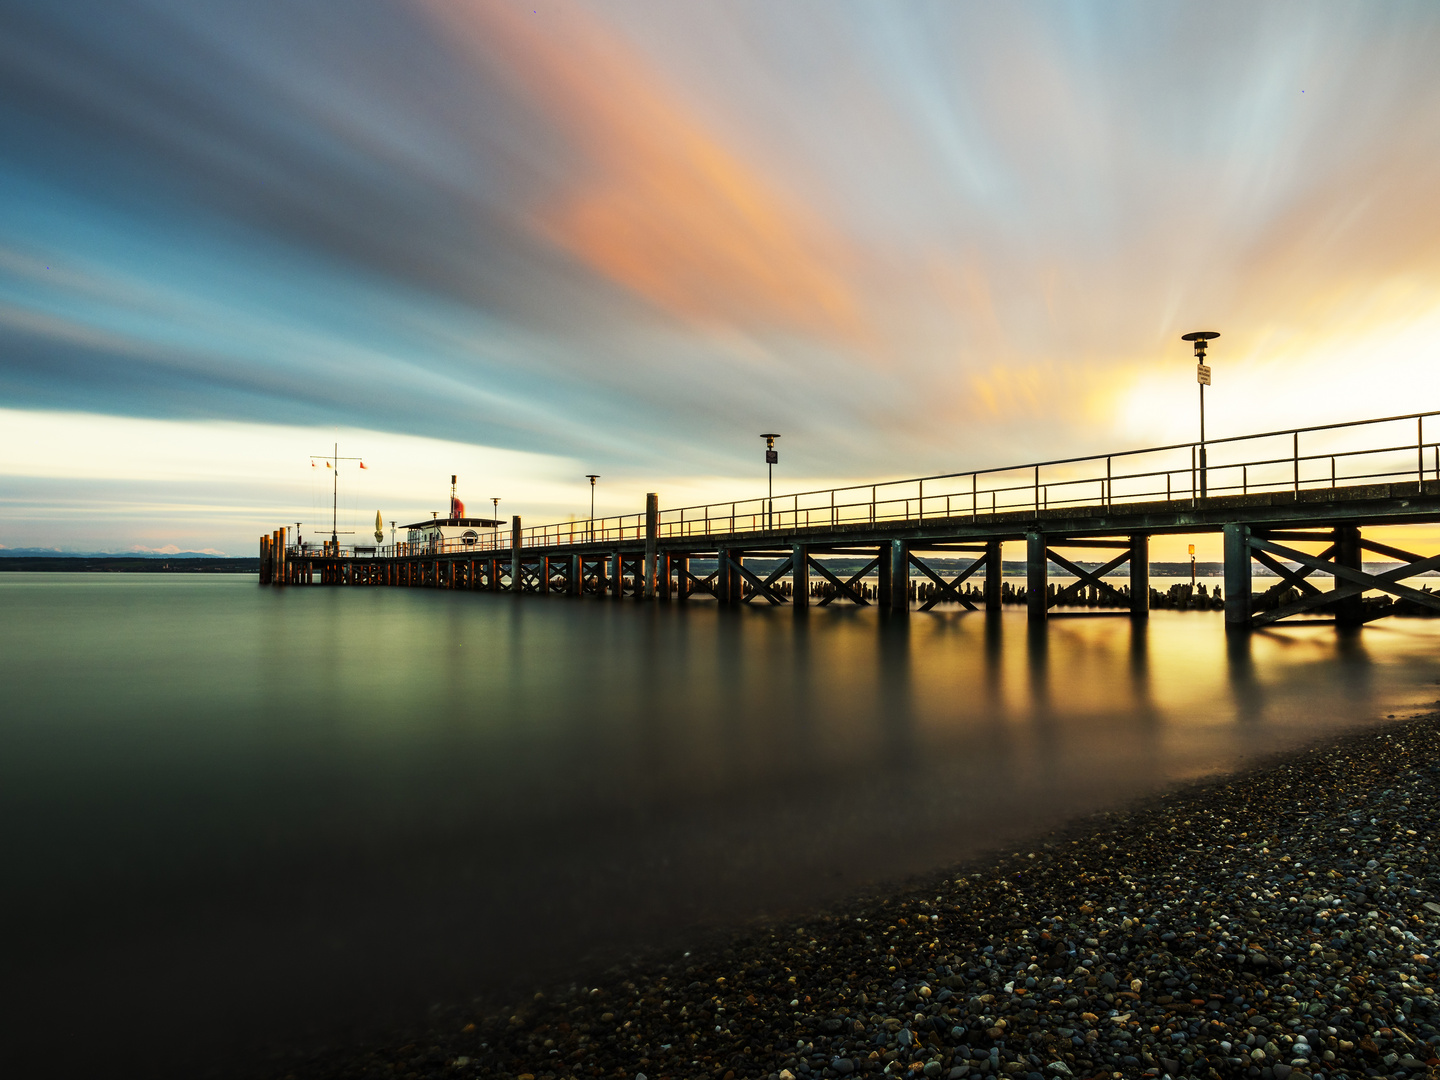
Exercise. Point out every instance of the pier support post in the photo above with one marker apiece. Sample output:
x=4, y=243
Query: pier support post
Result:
x=736, y=591
x=1036, y=593
x=1351, y=610
x=899, y=576
x=800, y=574
x=1139, y=576
x=722, y=575
x=515, y=537
x=652, y=535
x=576, y=584
x=1237, y=577
x=681, y=562
x=884, y=566
x=617, y=580
x=994, y=575
x=662, y=575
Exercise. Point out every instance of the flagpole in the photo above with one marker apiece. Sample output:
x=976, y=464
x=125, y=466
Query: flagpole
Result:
x=334, y=463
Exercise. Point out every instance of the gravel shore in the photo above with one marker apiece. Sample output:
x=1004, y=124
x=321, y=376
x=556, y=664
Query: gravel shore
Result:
x=1283, y=924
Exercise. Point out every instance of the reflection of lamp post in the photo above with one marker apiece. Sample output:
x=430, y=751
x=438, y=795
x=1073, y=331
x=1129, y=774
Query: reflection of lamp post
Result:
x=592, y=477
x=1202, y=376
x=772, y=458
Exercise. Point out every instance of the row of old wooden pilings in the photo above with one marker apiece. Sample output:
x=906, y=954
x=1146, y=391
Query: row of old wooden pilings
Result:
x=274, y=566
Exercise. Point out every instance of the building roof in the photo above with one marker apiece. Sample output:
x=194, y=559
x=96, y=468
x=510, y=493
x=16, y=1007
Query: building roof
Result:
x=459, y=523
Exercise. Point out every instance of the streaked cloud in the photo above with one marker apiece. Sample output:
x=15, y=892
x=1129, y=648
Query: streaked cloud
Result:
x=627, y=236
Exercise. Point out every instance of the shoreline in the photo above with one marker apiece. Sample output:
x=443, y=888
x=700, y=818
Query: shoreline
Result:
x=1270, y=923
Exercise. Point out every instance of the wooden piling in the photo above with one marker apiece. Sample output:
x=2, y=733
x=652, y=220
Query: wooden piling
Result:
x=1237, y=577
x=994, y=575
x=885, y=566
x=652, y=536
x=1351, y=610
x=800, y=575
x=1036, y=570
x=515, y=538
x=680, y=560
x=899, y=576
x=1139, y=576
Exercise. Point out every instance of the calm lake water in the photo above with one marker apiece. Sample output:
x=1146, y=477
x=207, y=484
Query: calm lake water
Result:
x=237, y=817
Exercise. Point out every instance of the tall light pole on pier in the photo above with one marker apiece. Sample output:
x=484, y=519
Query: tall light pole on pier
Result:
x=772, y=458
x=496, y=518
x=592, y=477
x=1202, y=376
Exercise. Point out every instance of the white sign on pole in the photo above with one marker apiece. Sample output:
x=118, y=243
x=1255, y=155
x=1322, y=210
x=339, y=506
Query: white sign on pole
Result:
x=1202, y=374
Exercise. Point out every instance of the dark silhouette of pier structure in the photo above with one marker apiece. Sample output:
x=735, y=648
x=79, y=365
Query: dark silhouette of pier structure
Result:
x=1265, y=492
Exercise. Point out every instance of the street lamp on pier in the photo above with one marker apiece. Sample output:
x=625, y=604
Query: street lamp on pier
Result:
x=1202, y=376
x=772, y=458
x=592, y=477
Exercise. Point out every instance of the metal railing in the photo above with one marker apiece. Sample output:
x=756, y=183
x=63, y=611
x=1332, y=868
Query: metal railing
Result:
x=1384, y=449
x=1293, y=459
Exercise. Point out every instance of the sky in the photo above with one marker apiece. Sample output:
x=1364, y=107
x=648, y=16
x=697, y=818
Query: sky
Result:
x=522, y=242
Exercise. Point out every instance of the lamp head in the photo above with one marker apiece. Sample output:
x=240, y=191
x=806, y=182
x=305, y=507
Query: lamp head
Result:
x=770, y=437
x=1200, y=337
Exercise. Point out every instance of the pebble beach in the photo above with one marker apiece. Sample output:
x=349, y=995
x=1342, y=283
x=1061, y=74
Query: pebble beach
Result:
x=1281, y=924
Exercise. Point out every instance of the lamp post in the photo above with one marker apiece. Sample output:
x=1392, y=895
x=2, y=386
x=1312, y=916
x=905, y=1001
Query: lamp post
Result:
x=772, y=458
x=496, y=518
x=1202, y=376
x=592, y=477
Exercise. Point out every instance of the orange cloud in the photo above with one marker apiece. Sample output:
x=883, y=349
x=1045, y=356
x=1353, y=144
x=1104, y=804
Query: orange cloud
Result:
x=662, y=208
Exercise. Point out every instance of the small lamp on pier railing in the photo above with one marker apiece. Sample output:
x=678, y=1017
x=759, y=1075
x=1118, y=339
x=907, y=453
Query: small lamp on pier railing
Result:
x=592, y=477
x=772, y=458
x=1202, y=376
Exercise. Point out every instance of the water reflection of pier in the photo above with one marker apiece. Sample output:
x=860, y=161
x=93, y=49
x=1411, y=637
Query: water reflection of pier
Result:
x=1261, y=491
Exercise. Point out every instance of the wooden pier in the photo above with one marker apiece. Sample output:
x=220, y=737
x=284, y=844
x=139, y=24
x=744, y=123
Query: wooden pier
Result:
x=1348, y=478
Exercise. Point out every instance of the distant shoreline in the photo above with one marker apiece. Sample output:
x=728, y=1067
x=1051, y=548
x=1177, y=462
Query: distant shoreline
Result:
x=129, y=564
